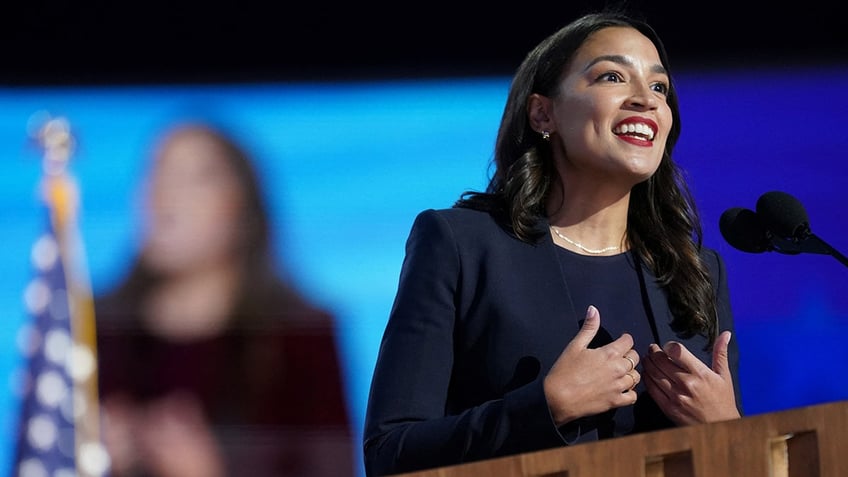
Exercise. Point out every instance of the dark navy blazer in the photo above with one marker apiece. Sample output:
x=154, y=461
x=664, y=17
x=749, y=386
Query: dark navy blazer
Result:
x=479, y=318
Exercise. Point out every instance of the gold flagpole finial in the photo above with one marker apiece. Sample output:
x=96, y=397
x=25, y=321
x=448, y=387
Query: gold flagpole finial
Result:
x=53, y=135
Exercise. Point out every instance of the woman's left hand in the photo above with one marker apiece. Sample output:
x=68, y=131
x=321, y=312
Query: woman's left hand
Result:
x=686, y=390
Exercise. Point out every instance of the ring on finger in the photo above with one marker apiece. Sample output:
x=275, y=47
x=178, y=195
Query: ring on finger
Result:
x=632, y=363
x=634, y=381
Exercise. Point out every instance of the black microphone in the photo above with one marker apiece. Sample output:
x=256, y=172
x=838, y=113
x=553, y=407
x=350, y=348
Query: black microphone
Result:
x=744, y=230
x=784, y=215
x=780, y=224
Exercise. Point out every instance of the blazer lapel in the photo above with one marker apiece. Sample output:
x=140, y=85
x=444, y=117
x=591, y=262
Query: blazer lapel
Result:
x=570, y=317
x=656, y=306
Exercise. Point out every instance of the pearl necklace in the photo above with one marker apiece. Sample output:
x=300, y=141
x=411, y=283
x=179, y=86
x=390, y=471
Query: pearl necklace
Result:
x=579, y=245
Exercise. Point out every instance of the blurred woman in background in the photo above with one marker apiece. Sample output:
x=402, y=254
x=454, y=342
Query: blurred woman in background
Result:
x=210, y=362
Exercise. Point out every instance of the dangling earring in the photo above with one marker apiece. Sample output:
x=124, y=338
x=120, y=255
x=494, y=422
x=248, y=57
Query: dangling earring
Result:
x=546, y=135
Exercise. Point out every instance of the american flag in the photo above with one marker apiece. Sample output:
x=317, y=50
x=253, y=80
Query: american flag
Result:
x=58, y=434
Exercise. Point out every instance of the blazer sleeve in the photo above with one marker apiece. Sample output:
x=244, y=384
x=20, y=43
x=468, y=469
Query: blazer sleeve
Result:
x=725, y=318
x=407, y=426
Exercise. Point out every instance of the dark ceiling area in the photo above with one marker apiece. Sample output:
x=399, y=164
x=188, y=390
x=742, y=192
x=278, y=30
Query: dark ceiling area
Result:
x=60, y=42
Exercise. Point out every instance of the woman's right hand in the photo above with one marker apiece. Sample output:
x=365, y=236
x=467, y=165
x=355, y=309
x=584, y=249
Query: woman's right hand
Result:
x=586, y=381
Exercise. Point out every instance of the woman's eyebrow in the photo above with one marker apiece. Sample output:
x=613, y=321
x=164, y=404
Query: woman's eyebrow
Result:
x=624, y=61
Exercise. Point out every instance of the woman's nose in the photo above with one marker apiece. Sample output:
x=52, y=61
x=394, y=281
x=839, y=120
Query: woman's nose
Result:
x=643, y=96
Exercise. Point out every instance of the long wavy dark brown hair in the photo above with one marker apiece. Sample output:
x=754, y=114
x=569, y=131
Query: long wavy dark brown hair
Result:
x=663, y=225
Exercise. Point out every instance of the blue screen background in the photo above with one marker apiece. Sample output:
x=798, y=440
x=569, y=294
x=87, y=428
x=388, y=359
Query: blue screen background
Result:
x=346, y=166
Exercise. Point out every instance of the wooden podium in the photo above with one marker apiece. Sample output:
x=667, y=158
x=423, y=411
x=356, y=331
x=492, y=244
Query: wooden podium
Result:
x=804, y=442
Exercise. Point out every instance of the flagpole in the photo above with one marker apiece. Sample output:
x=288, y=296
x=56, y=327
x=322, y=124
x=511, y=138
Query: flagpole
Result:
x=61, y=195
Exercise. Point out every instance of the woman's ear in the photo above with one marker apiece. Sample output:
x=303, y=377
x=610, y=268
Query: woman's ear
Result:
x=537, y=112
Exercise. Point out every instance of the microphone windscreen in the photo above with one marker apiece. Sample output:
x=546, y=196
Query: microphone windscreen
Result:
x=744, y=230
x=783, y=214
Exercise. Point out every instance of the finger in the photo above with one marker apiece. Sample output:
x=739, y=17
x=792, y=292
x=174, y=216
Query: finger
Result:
x=622, y=346
x=667, y=373
x=590, y=328
x=720, y=360
x=660, y=395
x=684, y=358
x=659, y=368
x=658, y=390
x=660, y=361
x=628, y=398
x=630, y=380
x=632, y=357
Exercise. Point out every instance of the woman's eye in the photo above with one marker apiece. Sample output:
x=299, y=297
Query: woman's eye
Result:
x=661, y=88
x=610, y=77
